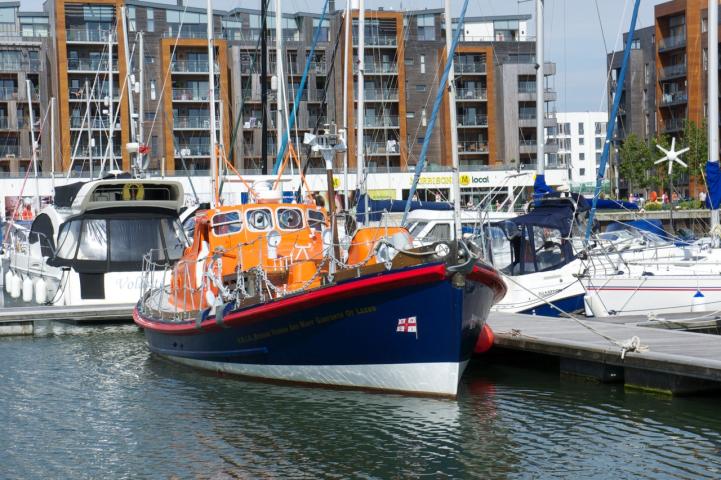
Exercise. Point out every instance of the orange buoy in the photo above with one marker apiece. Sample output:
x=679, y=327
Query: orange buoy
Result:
x=485, y=340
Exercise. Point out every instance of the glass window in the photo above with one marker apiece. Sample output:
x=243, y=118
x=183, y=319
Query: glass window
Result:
x=68, y=239
x=290, y=218
x=93, y=241
x=131, y=19
x=316, y=219
x=417, y=228
x=7, y=15
x=580, y=128
x=260, y=219
x=174, y=237
x=226, y=223
x=500, y=248
x=150, y=20
x=439, y=233
x=131, y=239
x=548, y=248
x=581, y=140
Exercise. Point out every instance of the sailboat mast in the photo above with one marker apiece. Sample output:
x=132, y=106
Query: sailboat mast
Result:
x=713, y=110
x=211, y=109
x=141, y=99
x=540, y=155
x=279, y=97
x=452, y=119
x=52, y=142
x=111, y=120
x=90, y=128
x=360, y=135
x=29, y=87
x=346, y=66
x=263, y=87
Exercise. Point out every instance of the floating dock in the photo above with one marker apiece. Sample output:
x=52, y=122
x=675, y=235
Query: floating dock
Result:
x=670, y=361
x=45, y=320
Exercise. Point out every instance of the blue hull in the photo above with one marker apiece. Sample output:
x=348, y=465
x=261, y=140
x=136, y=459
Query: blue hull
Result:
x=344, y=341
x=568, y=304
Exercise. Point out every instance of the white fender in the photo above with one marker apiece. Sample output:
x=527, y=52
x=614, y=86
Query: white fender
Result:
x=594, y=306
x=27, y=289
x=8, y=280
x=41, y=291
x=16, y=286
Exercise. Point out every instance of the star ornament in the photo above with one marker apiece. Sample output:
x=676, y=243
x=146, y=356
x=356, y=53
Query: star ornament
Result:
x=672, y=155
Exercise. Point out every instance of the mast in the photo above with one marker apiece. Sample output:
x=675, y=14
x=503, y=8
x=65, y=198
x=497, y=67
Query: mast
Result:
x=29, y=87
x=111, y=120
x=713, y=110
x=540, y=155
x=141, y=100
x=346, y=66
x=453, y=123
x=360, y=169
x=128, y=61
x=52, y=142
x=263, y=87
x=90, y=127
x=211, y=107
x=280, y=98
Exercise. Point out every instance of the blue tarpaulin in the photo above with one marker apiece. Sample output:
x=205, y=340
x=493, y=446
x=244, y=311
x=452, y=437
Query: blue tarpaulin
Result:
x=377, y=207
x=713, y=180
x=540, y=189
x=606, y=204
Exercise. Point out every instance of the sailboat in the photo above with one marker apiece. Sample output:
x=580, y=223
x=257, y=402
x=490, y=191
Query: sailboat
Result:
x=267, y=291
x=682, y=283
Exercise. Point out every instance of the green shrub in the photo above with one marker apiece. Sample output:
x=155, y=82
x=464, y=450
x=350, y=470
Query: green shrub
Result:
x=653, y=206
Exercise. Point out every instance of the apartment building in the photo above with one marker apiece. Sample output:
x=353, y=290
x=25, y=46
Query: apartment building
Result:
x=579, y=139
x=23, y=48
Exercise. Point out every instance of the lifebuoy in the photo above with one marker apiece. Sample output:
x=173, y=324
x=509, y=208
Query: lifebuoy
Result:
x=133, y=191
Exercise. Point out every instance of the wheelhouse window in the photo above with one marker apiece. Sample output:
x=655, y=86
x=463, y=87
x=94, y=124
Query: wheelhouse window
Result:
x=259, y=220
x=316, y=219
x=500, y=248
x=290, y=218
x=417, y=228
x=439, y=233
x=226, y=223
x=68, y=239
x=549, y=253
x=94, y=241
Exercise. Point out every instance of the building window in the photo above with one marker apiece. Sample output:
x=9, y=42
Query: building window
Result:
x=426, y=27
x=600, y=127
x=704, y=25
x=409, y=61
x=410, y=115
x=324, y=34
x=131, y=19
x=599, y=143
x=636, y=44
x=582, y=157
x=149, y=20
x=582, y=171
x=580, y=128
x=420, y=88
x=581, y=140
x=152, y=89
x=424, y=120
x=423, y=64
x=566, y=128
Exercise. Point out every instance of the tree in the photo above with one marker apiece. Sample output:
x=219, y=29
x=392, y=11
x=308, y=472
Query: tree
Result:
x=635, y=162
x=696, y=139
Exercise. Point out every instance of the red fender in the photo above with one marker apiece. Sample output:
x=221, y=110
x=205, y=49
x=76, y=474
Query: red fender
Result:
x=485, y=340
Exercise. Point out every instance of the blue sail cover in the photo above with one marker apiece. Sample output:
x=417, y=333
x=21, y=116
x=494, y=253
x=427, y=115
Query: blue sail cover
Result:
x=608, y=204
x=540, y=189
x=377, y=207
x=713, y=180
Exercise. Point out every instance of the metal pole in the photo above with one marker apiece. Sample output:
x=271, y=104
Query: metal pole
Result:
x=90, y=127
x=279, y=100
x=111, y=119
x=141, y=98
x=453, y=122
x=264, y=87
x=346, y=66
x=360, y=134
x=540, y=155
x=29, y=87
x=211, y=103
x=712, y=98
x=52, y=142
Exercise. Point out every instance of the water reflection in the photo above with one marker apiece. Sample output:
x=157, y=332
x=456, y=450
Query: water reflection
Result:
x=99, y=406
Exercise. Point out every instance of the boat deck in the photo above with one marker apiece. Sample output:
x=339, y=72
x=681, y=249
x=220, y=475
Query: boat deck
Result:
x=669, y=360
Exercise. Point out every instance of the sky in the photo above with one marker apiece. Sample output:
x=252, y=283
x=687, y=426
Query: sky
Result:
x=574, y=35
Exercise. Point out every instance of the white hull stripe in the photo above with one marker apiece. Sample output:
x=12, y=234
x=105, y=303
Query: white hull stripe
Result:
x=439, y=378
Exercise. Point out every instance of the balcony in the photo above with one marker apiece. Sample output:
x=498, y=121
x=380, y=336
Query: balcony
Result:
x=189, y=151
x=673, y=71
x=81, y=122
x=314, y=120
x=674, y=98
x=9, y=151
x=380, y=148
x=376, y=40
x=13, y=66
x=190, y=66
x=472, y=147
x=79, y=95
x=471, y=94
x=378, y=68
x=191, y=95
x=320, y=68
x=673, y=125
x=672, y=43
x=90, y=65
x=193, y=123
x=6, y=125
x=88, y=35
x=468, y=67
x=98, y=152
x=467, y=120
x=384, y=121
x=387, y=94
x=528, y=119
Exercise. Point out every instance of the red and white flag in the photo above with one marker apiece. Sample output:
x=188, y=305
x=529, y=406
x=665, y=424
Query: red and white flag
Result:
x=407, y=325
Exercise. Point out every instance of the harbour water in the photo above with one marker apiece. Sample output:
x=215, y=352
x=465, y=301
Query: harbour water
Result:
x=99, y=405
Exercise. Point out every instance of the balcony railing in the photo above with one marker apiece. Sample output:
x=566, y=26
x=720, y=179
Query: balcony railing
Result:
x=389, y=94
x=472, y=147
x=525, y=115
x=97, y=93
x=471, y=94
x=92, y=65
x=88, y=35
x=198, y=122
x=95, y=123
x=192, y=66
x=98, y=152
x=5, y=124
x=190, y=95
x=673, y=125
x=385, y=121
x=672, y=42
x=469, y=67
x=376, y=40
x=192, y=151
x=674, y=98
x=320, y=68
x=15, y=66
x=468, y=120
x=377, y=67
x=381, y=148
x=673, y=71
x=314, y=120
x=9, y=150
